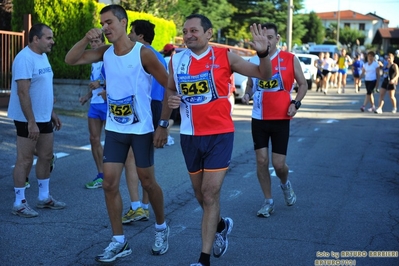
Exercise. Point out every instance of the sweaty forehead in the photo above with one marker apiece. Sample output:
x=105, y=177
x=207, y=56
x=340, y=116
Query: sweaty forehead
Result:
x=194, y=23
x=107, y=16
x=47, y=32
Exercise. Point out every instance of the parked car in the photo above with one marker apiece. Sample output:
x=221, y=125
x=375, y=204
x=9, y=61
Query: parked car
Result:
x=308, y=67
x=240, y=82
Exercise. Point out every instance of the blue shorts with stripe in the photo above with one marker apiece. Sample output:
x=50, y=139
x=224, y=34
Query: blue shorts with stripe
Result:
x=207, y=153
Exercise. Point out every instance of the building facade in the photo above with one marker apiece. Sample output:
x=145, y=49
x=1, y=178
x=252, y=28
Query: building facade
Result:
x=369, y=24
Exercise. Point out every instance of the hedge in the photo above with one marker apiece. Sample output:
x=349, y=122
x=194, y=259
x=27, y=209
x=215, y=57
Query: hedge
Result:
x=70, y=20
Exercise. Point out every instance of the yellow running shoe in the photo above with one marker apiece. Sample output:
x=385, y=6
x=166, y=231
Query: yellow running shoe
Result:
x=133, y=216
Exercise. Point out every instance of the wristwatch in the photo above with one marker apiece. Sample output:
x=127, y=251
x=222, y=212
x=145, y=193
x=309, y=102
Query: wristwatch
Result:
x=163, y=123
x=296, y=103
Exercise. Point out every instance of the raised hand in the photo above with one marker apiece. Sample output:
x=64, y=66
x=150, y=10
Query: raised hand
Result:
x=259, y=38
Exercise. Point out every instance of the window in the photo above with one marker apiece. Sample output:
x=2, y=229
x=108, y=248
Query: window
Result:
x=362, y=26
x=347, y=25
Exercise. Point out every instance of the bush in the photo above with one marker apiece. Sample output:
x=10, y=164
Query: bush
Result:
x=70, y=20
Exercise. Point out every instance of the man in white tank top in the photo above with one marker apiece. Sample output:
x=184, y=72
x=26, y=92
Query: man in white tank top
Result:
x=128, y=68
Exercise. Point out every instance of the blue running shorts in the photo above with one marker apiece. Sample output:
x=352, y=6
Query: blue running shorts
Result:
x=98, y=111
x=117, y=146
x=207, y=153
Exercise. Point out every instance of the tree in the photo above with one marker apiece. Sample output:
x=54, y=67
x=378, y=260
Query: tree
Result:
x=315, y=30
x=349, y=36
x=261, y=11
x=5, y=14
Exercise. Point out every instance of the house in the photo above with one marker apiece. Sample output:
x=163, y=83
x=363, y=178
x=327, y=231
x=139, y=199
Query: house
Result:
x=368, y=24
x=387, y=38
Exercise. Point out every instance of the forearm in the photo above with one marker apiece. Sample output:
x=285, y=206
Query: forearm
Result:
x=26, y=106
x=302, y=90
x=166, y=110
x=76, y=51
x=265, y=68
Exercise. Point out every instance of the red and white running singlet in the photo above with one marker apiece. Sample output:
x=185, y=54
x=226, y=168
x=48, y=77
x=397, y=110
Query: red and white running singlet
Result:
x=271, y=98
x=204, y=83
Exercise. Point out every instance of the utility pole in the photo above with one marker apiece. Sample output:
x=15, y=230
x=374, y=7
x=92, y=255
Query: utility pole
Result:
x=289, y=25
x=338, y=22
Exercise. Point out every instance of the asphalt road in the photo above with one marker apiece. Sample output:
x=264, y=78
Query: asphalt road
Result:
x=344, y=169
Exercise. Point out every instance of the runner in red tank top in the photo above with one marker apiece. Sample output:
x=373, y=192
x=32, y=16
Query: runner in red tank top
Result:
x=273, y=109
x=199, y=83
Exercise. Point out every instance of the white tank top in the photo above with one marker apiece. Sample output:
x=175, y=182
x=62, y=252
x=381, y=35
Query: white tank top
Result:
x=96, y=75
x=128, y=92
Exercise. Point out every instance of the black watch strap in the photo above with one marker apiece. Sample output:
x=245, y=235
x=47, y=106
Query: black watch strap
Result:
x=163, y=123
x=296, y=103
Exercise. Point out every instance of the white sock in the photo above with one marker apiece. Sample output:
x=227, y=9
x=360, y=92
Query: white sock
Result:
x=285, y=185
x=135, y=205
x=145, y=206
x=19, y=195
x=270, y=201
x=44, y=190
x=120, y=238
x=160, y=227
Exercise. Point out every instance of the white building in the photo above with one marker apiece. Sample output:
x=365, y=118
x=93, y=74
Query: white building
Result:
x=368, y=24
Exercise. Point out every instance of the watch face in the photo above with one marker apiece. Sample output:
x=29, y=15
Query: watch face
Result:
x=163, y=123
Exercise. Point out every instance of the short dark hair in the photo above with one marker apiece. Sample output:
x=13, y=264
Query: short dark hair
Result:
x=37, y=30
x=144, y=27
x=371, y=53
x=117, y=10
x=269, y=25
x=205, y=22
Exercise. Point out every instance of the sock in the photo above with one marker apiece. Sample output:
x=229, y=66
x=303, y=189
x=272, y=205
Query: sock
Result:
x=44, y=190
x=270, y=201
x=205, y=259
x=19, y=195
x=221, y=226
x=285, y=186
x=100, y=175
x=120, y=238
x=145, y=206
x=160, y=227
x=135, y=205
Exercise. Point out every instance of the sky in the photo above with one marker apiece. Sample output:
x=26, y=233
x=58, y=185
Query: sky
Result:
x=387, y=9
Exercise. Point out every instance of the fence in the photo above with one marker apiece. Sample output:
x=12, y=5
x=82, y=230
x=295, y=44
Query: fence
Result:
x=10, y=44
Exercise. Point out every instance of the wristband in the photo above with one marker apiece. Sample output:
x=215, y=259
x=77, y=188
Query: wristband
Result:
x=264, y=54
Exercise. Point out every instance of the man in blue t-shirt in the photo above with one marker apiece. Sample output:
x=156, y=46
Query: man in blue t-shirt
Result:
x=143, y=31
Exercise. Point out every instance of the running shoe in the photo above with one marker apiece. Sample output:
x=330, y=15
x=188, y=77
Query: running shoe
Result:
x=96, y=183
x=362, y=108
x=133, y=216
x=161, y=244
x=147, y=214
x=170, y=142
x=24, y=210
x=289, y=195
x=378, y=111
x=221, y=242
x=394, y=110
x=52, y=164
x=266, y=209
x=196, y=264
x=371, y=109
x=51, y=204
x=114, y=250
x=27, y=184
